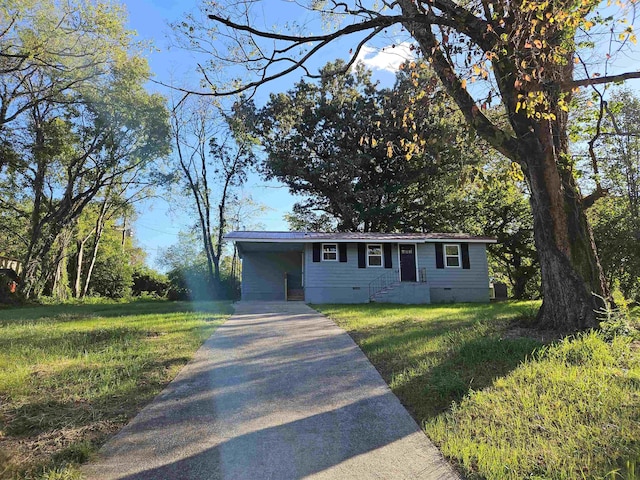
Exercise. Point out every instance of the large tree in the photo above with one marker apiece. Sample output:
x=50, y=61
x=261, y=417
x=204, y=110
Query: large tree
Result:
x=74, y=119
x=73, y=152
x=525, y=50
x=615, y=141
x=339, y=143
x=48, y=48
x=213, y=157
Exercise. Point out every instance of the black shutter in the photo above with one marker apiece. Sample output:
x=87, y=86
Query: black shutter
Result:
x=342, y=252
x=387, y=256
x=362, y=259
x=316, y=251
x=465, y=255
x=439, y=256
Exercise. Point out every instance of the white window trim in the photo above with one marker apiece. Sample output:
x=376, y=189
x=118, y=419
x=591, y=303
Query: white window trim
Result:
x=381, y=255
x=329, y=259
x=444, y=255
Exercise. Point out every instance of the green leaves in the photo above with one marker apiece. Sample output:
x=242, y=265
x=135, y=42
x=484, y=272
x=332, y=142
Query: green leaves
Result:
x=371, y=159
x=76, y=115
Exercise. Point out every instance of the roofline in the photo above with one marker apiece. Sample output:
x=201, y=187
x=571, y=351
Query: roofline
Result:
x=362, y=240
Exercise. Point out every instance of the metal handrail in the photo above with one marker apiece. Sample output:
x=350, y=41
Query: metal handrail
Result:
x=383, y=281
x=422, y=278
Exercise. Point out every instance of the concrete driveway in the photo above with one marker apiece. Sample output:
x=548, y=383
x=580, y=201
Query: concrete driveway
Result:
x=278, y=392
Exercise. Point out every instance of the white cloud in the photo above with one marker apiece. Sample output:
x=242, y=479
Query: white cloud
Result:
x=388, y=58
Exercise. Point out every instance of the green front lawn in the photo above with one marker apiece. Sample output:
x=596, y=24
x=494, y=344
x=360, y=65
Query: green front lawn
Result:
x=71, y=375
x=502, y=405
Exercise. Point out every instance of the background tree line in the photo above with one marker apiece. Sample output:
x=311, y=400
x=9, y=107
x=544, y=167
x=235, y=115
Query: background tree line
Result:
x=80, y=138
x=82, y=143
x=78, y=133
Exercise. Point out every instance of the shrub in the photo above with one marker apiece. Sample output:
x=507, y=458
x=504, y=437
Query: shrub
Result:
x=149, y=283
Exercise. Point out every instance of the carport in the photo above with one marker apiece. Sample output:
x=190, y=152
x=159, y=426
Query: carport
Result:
x=272, y=271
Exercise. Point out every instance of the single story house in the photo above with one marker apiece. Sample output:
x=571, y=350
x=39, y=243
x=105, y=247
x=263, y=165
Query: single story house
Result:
x=363, y=267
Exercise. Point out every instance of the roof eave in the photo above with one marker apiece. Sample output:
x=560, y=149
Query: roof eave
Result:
x=364, y=240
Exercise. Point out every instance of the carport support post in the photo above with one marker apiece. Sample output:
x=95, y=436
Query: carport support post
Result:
x=286, y=289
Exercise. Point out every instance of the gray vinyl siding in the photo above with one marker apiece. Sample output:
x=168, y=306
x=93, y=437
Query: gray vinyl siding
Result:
x=263, y=273
x=338, y=282
x=342, y=282
x=457, y=284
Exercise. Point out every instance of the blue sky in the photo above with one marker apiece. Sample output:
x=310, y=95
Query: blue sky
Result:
x=158, y=223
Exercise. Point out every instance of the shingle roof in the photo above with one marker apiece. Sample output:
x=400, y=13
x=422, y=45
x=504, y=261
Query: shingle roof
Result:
x=247, y=236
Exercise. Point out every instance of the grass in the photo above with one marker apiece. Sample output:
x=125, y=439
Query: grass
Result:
x=635, y=317
x=71, y=375
x=502, y=405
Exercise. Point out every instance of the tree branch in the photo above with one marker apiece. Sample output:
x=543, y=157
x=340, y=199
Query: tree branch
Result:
x=499, y=139
x=590, y=199
x=600, y=80
x=381, y=21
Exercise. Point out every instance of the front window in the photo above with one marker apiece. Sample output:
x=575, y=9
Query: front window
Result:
x=452, y=256
x=330, y=252
x=374, y=255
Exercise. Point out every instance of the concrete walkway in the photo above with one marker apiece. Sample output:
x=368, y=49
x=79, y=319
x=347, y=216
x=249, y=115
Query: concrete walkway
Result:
x=278, y=392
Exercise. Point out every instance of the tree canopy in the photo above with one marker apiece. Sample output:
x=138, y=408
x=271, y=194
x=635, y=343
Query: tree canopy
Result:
x=338, y=144
x=75, y=121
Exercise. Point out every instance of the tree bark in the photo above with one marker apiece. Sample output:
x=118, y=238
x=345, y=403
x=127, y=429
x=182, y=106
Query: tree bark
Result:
x=572, y=279
x=32, y=260
x=519, y=287
x=60, y=284
x=99, y=228
x=77, y=284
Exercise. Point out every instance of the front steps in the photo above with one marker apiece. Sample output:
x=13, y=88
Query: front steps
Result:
x=404, y=293
x=295, y=295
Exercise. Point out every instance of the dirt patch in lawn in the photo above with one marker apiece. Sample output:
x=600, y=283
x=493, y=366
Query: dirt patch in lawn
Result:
x=542, y=336
x=28, y=453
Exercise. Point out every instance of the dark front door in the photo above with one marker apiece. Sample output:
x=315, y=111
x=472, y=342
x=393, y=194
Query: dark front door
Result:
x=408, y=263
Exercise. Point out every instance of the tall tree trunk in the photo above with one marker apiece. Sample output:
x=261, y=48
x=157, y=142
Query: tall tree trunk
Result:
x=60, y=283
x=92, y=261
x=519, y=287
x=518, y=280
x=99, y=228
x=208, y=249
x=33, y=260
x=222, y=225
x=77, y=284
x=572, y=278
x=124, y=232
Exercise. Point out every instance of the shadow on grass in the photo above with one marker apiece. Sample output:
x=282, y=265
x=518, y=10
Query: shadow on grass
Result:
x=74, y=342
x=432, y=356
x=119, y=403
x=70, y=312
x=85, y=379
x=474, y=364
